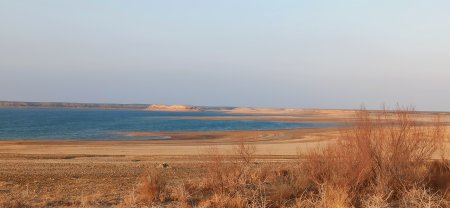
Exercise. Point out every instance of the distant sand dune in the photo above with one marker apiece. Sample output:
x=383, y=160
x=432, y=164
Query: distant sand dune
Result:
x=173, y=108
x=290, y=111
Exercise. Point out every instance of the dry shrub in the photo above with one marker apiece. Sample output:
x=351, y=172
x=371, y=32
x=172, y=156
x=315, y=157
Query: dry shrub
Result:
x=333, y=196
x=249, y=184
x=376, y=200
x=245, y=151
x=304, y=202
x=152, y=187
x=225, y=175
x=217, y=177
x=439, y=176
x=421, y=197
x=327, y=196
x=223, y=200
x=257, y=197
x=381, y=153
x=238, y=181
x=284, y=185
x=180, y=193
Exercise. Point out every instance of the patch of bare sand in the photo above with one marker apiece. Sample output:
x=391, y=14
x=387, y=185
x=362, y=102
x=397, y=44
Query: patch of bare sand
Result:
x=277, y=142
x=289, y=111
x=309, y=119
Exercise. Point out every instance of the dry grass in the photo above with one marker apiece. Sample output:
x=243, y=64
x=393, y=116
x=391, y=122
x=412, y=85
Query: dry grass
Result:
x=224, y=181
x=422, y=197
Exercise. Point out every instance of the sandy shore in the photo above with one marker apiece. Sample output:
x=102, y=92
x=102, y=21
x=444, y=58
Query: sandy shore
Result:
x=279, y=142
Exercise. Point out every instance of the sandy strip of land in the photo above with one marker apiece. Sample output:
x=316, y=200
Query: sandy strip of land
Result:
x=276, y=118
x=276, y=142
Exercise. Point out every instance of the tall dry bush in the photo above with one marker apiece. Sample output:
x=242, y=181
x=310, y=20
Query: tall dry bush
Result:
x=152, y=187
x=236, y=180
x=223, y=174
x=217, y=174
x=382, y=153
x=245, y=151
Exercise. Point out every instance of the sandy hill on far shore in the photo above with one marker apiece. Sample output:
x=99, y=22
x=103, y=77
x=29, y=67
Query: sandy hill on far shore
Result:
x=173, y=108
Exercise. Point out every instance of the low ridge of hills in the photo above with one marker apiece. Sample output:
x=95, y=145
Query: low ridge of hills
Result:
x=172, y=108
x=13, y=104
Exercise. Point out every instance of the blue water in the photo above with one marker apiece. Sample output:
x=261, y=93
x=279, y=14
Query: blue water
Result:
x=68, y=124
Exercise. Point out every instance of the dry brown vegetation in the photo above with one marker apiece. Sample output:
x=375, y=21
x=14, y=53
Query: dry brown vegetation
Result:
x=383, y=160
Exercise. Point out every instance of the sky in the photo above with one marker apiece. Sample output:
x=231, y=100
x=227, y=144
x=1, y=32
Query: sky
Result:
x=290, y=53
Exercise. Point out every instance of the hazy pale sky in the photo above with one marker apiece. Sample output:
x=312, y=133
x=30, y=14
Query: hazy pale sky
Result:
x=314, y=54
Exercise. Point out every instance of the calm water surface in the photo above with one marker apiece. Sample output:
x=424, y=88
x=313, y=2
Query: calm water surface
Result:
x=82, y=124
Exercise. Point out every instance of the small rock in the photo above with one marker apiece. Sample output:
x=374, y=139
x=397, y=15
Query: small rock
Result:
x=163, y=165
